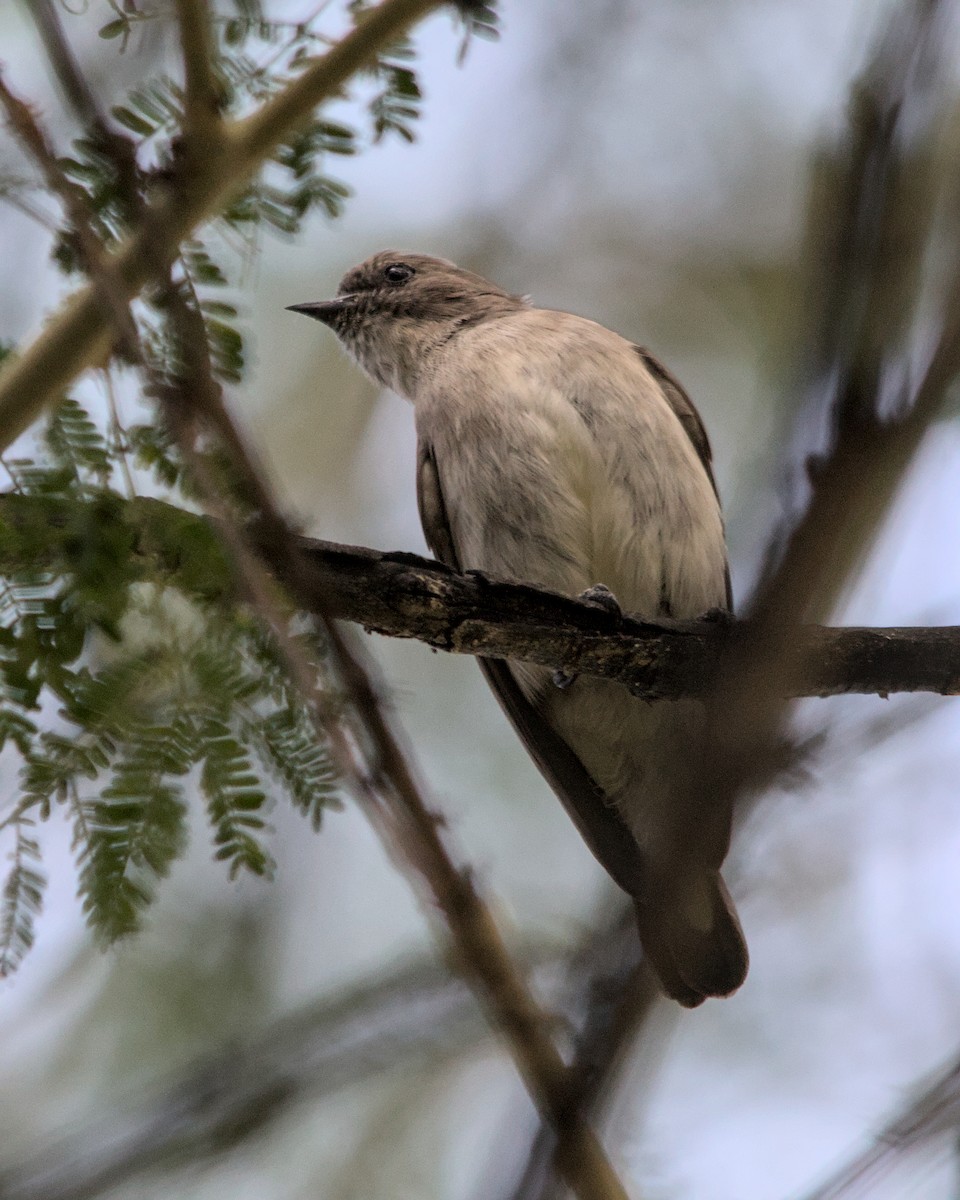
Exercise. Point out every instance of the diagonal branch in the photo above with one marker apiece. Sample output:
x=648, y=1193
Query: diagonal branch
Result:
x=615, y=993
x=409, y=1014
x=867, y=460
x=202, y=124
x=855, y=482
x=80, y=334
x=388, y=792
x=26, y=129
x=871, y=296
x=75, y=88
x=933, y=1113
x=376, y=768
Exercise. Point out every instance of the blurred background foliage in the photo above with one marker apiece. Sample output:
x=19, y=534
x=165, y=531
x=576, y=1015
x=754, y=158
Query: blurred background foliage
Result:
x=655, y=165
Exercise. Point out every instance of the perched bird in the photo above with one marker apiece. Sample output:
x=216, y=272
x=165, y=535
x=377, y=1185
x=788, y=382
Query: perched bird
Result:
x=554, y=452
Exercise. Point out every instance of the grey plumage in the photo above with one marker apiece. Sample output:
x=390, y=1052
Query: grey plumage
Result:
x=553, y=451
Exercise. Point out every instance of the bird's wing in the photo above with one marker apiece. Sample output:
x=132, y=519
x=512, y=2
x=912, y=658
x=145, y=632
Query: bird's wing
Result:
x=686, y=411
x=683, y=406
x=433, y=510
x=600, y=826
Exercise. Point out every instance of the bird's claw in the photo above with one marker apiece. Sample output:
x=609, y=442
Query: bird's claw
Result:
x=718, y=616
x=601, y=596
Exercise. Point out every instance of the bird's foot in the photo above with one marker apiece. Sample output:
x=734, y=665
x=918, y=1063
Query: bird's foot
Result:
x=562, y=679
x=718, y=616
x=601, y=596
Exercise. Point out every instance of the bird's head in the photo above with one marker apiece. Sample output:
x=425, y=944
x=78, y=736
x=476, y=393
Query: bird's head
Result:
x=394, y=310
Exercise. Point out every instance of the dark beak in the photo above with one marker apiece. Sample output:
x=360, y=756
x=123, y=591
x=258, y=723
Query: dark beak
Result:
x=321, y=310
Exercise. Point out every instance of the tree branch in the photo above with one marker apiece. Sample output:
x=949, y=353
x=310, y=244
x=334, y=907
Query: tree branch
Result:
x=403, y=595
x=935, y=1112
x=389, y=794
x=407, y=596
x=375, y=767
x=411, y=1013
x=870, y=451
x=75, y=87
x=387, y=791
x=202, y=124
x=880, y=216
x=26, y=129
x=614, y=993
x=80, y=335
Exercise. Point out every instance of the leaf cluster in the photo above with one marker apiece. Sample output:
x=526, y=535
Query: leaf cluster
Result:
x=120, y=614
x=128, y=668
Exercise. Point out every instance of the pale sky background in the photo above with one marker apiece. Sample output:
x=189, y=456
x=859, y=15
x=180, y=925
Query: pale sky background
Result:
x=645, y=163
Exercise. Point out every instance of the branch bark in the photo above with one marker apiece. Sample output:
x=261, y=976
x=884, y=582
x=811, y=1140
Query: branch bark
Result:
x=403, y=595
x=407, y=596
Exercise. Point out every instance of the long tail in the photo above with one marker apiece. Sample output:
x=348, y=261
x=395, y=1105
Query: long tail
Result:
x=693, y=940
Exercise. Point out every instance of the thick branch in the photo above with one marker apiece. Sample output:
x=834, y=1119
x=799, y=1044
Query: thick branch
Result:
x=403, y=595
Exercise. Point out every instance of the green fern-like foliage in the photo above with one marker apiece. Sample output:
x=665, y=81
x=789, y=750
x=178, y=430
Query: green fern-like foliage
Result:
x=22, y=898
x=132, y=679
x=121, y=611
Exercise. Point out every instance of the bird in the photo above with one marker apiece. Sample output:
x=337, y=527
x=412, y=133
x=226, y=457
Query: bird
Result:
x=554, y=452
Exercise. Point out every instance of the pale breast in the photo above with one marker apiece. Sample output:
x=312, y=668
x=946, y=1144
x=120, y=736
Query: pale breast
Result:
x=562, y=464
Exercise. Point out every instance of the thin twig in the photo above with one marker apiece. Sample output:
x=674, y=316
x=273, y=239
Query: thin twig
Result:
x=412, y=1013
x=613, y=993
x=119, y=434
x=83, y=101
x=105, y=280
x=390, y=796
x=35, y=214
x=80, y=335
x=77, y=91
x=933, y=1113
x=202, y=124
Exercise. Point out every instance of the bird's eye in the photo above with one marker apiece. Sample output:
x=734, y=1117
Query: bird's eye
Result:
x=397, y=273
